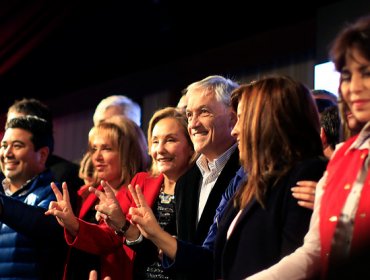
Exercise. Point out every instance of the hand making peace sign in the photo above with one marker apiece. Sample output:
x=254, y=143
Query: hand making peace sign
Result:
x=62, y=209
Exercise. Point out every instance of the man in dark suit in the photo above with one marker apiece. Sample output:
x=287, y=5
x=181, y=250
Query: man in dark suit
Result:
x=198, y=192
x=62, y=169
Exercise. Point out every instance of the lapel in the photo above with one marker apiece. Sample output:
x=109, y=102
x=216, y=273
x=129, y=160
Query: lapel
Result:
x=231, y=214
x=245, y=213
x=187, y=198
x=151, y=188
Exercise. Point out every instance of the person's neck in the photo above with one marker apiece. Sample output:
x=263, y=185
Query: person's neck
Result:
x=169, y=185
x=212, y=156
x=116, y=185
x=16, y=185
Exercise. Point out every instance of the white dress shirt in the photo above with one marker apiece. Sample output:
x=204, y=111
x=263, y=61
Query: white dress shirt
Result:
x=210, y=172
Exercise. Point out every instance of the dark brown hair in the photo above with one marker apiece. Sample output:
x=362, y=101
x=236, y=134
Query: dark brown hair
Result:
x=353, y=36
x=280, y=127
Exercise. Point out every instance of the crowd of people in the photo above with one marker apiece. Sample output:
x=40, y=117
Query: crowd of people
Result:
x=259, y=180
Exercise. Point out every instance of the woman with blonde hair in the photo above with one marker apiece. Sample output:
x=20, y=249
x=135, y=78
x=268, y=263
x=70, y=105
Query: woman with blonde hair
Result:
x=117, y=147
x=172, y=154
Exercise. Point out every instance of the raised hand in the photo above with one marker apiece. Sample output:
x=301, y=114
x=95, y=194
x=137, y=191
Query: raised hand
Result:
x=62, y=209
x=305, y=193
x=109, y=208
x=142, y=215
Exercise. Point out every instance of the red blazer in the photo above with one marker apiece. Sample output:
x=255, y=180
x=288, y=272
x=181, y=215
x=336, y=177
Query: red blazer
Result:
x=89, y=201
x=342, y=172
x=150, y=187
x=116, y=258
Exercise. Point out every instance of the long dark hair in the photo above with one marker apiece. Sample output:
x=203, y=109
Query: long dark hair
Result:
x=280, y=126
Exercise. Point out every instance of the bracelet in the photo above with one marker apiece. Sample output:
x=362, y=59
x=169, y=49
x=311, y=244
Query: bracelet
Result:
x=138, y=240
x=123, y=229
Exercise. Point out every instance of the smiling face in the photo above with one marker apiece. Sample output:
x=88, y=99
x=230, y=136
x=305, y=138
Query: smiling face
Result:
x=170, y=149
x=355, y=85
x=19, y=160
x=209, y=124
x=106, y=160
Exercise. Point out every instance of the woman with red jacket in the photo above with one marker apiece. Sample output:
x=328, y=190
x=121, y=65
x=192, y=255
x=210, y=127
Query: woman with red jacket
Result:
x=172, y=152
x=118, y=151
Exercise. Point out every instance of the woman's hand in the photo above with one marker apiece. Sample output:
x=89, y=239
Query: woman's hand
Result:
x=109, y=208
x=305, y=193
x=62, y=210
x=142, y=216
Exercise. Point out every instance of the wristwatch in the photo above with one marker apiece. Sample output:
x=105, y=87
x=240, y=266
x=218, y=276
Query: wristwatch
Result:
x=123, y=229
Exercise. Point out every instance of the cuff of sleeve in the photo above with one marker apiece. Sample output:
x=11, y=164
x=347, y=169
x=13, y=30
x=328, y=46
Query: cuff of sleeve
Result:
x=137, y=241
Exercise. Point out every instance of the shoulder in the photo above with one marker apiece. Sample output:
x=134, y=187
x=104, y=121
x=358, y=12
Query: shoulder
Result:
x=192, y=171
x=144, y=175
x=342, y=147
x=146, y=178
x=310, y=169
x=41, y=190
x=45, y=178
x=188, y=180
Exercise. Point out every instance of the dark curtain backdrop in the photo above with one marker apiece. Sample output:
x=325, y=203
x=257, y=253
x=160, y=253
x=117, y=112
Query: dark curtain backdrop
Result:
x=24, y=25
